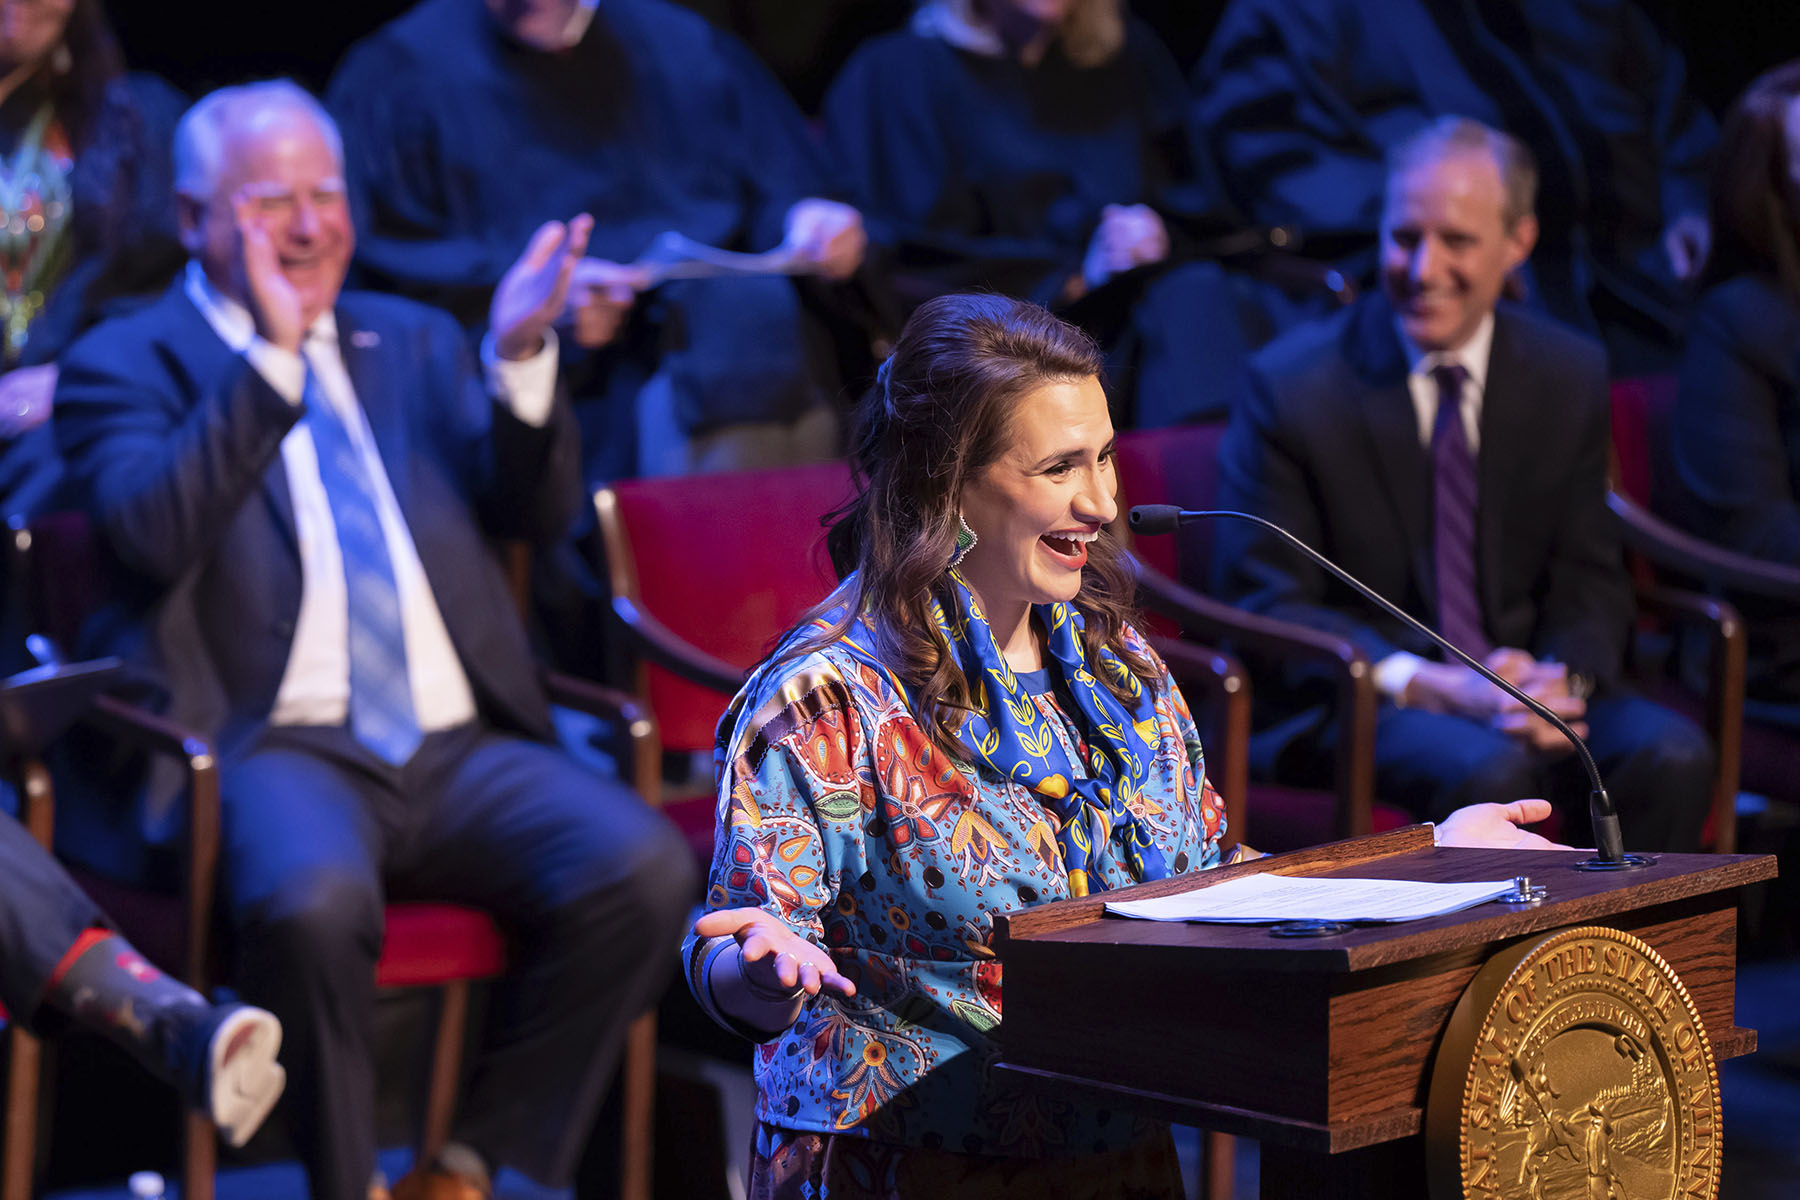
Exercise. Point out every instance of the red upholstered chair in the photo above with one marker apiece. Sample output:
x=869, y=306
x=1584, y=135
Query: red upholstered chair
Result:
x=443, y=946
x=706, y=572
x=1757, y=757
x=1181, y=466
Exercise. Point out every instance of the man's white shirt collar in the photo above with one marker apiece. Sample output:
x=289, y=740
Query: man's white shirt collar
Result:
x=231, y=320
x=579, y=20
x=1472, y=356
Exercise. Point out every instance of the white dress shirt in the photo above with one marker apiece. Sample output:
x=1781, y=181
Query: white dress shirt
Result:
x=1472, y=356
x=579, y=20
x=1394, y=672
x=315, y=685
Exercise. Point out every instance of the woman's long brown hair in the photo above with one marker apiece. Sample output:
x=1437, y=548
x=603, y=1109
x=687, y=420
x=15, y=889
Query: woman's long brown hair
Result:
x=939, y=413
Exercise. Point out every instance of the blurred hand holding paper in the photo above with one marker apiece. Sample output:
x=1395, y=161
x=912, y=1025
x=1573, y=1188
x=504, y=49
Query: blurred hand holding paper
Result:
x=675, y=256
x=1253, y=899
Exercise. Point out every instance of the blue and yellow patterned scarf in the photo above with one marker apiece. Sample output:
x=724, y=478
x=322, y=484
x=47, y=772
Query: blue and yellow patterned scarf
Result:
x=1011, y=734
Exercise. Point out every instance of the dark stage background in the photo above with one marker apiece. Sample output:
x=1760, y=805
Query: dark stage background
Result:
x=201, y=44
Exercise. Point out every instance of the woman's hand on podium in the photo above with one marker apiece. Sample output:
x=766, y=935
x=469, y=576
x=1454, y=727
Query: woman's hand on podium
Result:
x=1497, y=827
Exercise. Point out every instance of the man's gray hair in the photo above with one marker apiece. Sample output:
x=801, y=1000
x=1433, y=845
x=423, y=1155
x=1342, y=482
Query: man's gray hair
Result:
x=200, y=135
x=1452, y=135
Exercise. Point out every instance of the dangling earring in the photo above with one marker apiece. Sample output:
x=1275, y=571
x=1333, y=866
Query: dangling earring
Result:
x=965, y=540
x=60, y=60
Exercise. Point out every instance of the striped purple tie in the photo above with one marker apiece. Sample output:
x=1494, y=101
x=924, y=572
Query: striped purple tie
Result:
x=1454, y=493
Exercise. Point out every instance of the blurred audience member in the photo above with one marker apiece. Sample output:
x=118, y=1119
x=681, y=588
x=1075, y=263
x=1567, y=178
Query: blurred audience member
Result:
x=1736, y=431
x=1299, y=100
x=467, y=124
x=1450, y=450
x=1039, y=148
x=85, y=209
x=296, y=491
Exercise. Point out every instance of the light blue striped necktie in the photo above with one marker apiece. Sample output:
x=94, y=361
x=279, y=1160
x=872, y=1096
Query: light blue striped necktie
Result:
x=381, y=707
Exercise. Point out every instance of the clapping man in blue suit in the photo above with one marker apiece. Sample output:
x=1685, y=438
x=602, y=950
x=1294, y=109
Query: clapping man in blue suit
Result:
x=296, y=489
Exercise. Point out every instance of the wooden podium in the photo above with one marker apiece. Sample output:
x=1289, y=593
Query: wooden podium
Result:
x=1322, y=1048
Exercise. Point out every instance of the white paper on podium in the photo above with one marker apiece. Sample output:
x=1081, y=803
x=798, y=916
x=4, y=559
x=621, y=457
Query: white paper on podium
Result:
x=1254, y=899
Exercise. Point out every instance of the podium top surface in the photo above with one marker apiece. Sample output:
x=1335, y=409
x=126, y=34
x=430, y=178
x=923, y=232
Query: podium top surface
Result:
x=1574, y=896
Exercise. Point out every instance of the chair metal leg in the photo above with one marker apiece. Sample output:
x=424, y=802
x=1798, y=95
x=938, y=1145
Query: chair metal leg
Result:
x=1220, y=1165
x=637, y=1085
x=20, y=1154
x=446, y=1068
x=199, y=1157
x=24, y=1070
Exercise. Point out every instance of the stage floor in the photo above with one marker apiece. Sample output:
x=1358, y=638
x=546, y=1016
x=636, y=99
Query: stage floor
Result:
x=1761, y=1091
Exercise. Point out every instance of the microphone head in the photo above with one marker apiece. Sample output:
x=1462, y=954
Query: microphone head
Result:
x=1155, y=518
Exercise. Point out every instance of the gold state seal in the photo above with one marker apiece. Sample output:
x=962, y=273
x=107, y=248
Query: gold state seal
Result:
x=1574, y=1068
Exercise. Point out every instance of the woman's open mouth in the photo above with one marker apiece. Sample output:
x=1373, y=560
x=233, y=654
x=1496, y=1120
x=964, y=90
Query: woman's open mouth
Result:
x=1069, y=548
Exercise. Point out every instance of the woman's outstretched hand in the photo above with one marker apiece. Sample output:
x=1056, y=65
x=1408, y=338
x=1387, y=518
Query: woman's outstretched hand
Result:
x=1497, y=827
x=775, y=960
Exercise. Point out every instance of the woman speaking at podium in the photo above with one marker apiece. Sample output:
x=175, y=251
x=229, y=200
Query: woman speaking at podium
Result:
x=968, y=725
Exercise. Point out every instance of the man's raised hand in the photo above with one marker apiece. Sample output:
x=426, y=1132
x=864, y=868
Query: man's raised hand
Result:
x=531, y=296
x=601, y=295
x=828, y=235
x=274, y=302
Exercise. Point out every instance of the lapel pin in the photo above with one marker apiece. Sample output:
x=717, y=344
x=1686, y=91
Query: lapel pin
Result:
x=364, y=339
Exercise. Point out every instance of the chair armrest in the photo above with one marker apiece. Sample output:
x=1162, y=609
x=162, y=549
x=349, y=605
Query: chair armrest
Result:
x=1353, y=676
x=667, y=649
x=638, y=748
x=1271, y=253
x=1201, y=615
x=36, y=706
x=1218, y=681
x=1293, y=272
x=1673, y=550
x=148, y=731
x=596, y=700
x=1719, y=617
x=1727, y=648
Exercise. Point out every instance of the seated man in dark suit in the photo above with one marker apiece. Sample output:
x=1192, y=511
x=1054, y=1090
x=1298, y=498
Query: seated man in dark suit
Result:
x=1450, y=450
x=296, y=490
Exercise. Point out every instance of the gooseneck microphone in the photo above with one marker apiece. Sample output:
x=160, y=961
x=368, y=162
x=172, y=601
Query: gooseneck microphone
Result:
x=1165, y=518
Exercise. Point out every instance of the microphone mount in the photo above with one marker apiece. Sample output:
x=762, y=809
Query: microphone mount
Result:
x=1611, y=856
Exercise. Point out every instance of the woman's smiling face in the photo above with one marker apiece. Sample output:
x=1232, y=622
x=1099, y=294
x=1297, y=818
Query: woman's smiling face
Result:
x=1035, y=508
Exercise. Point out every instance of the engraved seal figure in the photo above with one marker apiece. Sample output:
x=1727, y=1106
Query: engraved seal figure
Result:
x=1575, y=1068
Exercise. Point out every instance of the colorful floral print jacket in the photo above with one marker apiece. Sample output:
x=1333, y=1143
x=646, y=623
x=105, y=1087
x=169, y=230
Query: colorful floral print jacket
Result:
x=837, y=814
